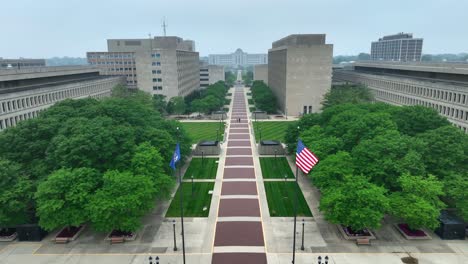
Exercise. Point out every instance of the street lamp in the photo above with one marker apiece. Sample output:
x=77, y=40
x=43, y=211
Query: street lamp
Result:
x=285, y=177
x=302, y=246
x=295, y=213
x=217, y=134
x=175, y=243
x=202, y=157
x=275, y=153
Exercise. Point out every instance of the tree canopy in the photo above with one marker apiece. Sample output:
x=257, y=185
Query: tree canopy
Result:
x=263, y=97
x=51, y=166
x=385, y=143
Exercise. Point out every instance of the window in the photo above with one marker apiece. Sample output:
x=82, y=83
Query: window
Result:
x=156, y=71
x=157, y=88
x=156, y=63
x=305, y=109
x=156, y=55
x=310, y=109
x=157, y=80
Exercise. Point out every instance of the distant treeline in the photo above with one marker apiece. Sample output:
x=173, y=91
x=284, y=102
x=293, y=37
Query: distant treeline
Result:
x=64, y=61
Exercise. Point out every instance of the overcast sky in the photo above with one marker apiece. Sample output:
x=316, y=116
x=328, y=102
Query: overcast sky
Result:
x=47, y=28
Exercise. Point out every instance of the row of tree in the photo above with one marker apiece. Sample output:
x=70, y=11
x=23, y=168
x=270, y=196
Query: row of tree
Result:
x=263, y=97
x=87, y=161
x=210, y=99
x=379, y=159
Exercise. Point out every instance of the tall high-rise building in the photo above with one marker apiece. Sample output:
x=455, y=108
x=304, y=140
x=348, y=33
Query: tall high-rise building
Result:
x=161, y=65
x=398, y=47
x=238, y=58
x=300, y=71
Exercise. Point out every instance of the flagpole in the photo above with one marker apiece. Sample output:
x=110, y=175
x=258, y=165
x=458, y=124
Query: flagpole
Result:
x=295, y=216
x=181, y=205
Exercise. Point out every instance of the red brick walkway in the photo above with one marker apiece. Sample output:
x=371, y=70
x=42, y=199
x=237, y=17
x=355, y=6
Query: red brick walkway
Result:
x=239, y=225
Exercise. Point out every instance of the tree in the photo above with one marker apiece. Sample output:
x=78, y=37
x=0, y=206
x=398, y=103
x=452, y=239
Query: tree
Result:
x=304, y=123
x=321, y=144
x=121, y=202
x=62, y=198
x=160, y=104
x=15, y=195
x=148, y=162
x=418, y=202
x=412, y=120
x=263, y=97
x=355, y=203
x=455, y=188
x=230, y=78
x=345, y=94
x=332, y=171
x=96, y=143
x=445, y=151
x=176, y=105
x=384, y=157
x=364, y=56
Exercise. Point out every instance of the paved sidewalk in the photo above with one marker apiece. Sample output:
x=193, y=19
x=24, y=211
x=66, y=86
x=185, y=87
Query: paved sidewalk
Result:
x=239, y=236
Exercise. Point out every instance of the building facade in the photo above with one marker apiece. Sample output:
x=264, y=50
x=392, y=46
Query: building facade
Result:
x=398, y=47
x=162, y=65
x=238, y=58
x=21, y=63
x=210, y=74
x=24, y=93
x=299, y=72
x=260, y=73
x=441, y=86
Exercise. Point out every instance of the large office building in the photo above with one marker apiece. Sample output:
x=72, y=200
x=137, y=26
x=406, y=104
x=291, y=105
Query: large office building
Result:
x=441, y=86
x=398, y=47
x=161, y=65
x=25, y=92
x=260, y=73
x=21, y=63
x=299, y=72
x=210, y=74
x=238, y=58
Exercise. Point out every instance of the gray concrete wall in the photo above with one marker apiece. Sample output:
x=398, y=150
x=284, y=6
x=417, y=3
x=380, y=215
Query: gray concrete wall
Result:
x=277, y=75
x=261, y=73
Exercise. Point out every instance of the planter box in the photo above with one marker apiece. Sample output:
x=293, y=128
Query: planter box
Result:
x=65, y=239
x=348, y=237
x=8, y=238
x=409, y=237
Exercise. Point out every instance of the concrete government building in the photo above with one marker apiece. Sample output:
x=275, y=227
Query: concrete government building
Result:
x=21, y=63
x=398, y=47
x=260, y=73
x=210, y=74
x=300, y=72
x=238, y=58
x=441, y=86
x=25, y=92
x=161, y=65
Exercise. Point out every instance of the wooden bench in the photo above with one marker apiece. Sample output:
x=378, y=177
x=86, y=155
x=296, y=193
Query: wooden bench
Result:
x=363, y=241
x=61, y=240
x=116, y=240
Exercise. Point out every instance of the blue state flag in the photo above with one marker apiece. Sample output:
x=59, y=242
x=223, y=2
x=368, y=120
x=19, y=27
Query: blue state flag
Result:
x=175, y=157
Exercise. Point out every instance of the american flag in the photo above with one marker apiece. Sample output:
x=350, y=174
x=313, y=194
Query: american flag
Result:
x=305, y=159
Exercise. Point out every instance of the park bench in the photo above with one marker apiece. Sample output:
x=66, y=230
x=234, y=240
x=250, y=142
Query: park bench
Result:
x=61, y=240
x=363, y=241
x=116, y=240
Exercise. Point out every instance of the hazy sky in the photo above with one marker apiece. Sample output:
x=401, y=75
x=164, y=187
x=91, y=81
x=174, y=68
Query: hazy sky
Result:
x=47, y=28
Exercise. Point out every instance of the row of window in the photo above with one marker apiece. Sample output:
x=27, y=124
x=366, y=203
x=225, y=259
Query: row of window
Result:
x=157, y=88
x=110, y=56
x=156, y=55
x=449, y=96
x=156, y=63
x=13, y=105
x=156, y=71
x=112, y=62
x=13, y=121
x=157, y=80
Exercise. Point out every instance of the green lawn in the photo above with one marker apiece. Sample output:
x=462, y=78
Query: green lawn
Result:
x=274, y=130
x=203, y=130
x=280, y=197
x=275, y=168
x=193, y=205
x=199, y=170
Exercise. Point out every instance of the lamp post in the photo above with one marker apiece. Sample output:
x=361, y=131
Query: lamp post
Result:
x=285, y=177
x=302, y=246
x=202, y=157
x=276, y=151
x=217, y=134
x=175, y=243
x=182, y=204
